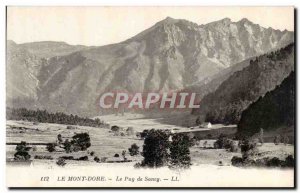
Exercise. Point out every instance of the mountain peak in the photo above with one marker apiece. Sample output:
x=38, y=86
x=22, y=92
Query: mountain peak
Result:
x=169, y=20
x=224, y=21
x=244, y=20
x=11, y=42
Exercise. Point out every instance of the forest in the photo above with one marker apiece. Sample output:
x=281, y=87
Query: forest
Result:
x=44, y=116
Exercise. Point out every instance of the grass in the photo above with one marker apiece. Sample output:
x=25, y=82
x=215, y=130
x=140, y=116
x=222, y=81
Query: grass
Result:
x=105, y=144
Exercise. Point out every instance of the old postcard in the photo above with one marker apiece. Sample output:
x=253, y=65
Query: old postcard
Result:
x=164, y=97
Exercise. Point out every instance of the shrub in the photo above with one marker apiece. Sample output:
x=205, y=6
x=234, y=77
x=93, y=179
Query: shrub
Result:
x=92, y=153
x=51, y=147
x=103, y=159
x=75, y=148
x=249, y=162
x=22, y=151
x=248, y=148
x=22, y=155
x=264, y=162
x=43, y=157
x=134, y=149
x=67, y=146
x=204, y=144
x=22, y=147
x=61, y=162
x=274, y=162
x=96, y=159
x=233, y=147
x=124, y=155
x=71, y=127
x=236, y=161
x=289, y=161
x=67, y=157
x=34, y=148
x=115, y=129
x=59, y=138
x=223, y=142
x=83, y=158
x=137, y=165
x=81, y=140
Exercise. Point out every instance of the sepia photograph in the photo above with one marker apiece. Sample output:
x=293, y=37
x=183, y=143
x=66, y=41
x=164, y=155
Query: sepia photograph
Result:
x=150, y=97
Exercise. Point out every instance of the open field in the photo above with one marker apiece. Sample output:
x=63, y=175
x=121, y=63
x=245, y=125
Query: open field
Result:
x=106, y=145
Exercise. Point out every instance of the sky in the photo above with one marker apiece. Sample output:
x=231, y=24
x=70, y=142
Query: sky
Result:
x=96, y=26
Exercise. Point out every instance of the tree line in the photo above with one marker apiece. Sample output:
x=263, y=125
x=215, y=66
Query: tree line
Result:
x=44, y=116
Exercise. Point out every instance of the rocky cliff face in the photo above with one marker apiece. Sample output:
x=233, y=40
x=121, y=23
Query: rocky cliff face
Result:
x=171, y=55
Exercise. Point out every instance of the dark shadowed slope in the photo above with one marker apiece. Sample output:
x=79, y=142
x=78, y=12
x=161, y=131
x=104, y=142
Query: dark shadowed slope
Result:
x=276, y=109
x=234, y=95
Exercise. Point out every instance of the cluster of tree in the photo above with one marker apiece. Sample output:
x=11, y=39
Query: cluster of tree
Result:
x=22, y=152
x=224, y=142
x=281, y=139
x=276, y=109
x=134, y=150
x=249, y=150
x=79, y=142
x=118, y=131
x=161, y=148
x=44, y=116
x=289, y=162
x=235, y=94
x=180, y=152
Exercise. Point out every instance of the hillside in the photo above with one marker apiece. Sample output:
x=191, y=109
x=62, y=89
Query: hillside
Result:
x=210, y=84
x=235, y=94
x=171, y=55
x=48, y=49
x=273, y=111
x=21, y=74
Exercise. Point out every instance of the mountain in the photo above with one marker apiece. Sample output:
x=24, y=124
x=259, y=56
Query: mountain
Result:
x=210, y=84
x=236, y=93
x=172, y=55
x=21, y=70
x=48, y=49
x=273, y=111
x=24, y=62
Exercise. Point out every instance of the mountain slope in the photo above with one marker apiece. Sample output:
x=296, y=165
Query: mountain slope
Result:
x=235, y=94
x=171, y=55
x=210, y=84
x=274, y=110
x=21, y=74
x=48, y=49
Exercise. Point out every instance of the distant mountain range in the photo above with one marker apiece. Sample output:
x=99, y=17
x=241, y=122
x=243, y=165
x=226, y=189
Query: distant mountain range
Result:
x=172, y=55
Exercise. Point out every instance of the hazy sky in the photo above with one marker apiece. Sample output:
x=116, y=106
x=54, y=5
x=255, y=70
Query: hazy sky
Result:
x=105, y=25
